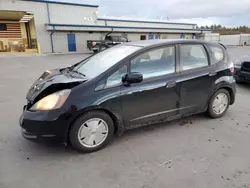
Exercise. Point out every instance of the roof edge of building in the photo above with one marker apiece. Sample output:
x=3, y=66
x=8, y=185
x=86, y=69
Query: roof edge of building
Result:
x=122, y=27
x=63, y=3
x=142, y=21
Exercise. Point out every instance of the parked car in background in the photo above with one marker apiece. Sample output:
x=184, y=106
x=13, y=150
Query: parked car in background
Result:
x=242, y=69
x=127, y=86
x=109, y=41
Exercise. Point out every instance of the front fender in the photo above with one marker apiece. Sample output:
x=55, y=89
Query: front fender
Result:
x=116, y=117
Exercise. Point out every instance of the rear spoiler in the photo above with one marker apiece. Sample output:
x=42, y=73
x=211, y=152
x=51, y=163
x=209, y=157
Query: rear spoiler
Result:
x=223, y=46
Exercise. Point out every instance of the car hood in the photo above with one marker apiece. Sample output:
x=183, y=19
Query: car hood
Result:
x=52, y=81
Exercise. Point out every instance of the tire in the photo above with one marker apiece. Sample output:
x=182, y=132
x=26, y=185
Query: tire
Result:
x=221, y=108
x=83, y=132
x=95, y=51
x=102, y=48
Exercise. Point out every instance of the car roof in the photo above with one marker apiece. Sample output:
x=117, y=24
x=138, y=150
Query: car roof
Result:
x=156, y=42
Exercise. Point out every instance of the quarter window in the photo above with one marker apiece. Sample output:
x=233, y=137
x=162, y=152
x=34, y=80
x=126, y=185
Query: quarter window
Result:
x=155, y=63
x=218, y=54
x=193, y=56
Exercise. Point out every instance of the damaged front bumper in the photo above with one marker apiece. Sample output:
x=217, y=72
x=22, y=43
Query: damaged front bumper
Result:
x=45, y=126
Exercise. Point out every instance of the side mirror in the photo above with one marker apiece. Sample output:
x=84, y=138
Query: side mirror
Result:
x=133, y=77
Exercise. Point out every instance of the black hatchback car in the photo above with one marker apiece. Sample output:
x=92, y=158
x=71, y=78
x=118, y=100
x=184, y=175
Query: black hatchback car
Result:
x=128, y=86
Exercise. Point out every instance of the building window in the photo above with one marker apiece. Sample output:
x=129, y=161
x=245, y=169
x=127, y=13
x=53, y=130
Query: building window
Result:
x=157, y=36
x=143, y=37
x=3, y=27
x=150, y=36
x=164, y=36
x=182, y=36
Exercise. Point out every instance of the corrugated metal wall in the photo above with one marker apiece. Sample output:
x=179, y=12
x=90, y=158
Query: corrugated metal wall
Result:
x=229, y=40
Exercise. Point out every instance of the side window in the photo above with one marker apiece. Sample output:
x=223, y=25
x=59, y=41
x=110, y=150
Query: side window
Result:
x=116, y=78
x=193, y=56
x=155, y=63
x=218, y=54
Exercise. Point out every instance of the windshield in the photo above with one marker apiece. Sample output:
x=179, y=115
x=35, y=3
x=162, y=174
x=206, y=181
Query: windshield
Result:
x=102, y=61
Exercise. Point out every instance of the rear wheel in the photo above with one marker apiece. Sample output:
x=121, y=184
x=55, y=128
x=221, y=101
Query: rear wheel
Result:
x=219, y=104
x=92, y=131
x=95, y=51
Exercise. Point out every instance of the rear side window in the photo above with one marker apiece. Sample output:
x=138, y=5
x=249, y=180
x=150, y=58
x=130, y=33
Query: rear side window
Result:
x=193, y=56
x=217, y=53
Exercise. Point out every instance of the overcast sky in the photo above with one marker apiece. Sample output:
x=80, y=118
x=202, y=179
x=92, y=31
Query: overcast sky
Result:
x=202, y=12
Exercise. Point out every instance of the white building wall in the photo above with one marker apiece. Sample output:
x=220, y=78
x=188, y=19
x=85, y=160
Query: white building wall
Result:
x=212, y=37
x=32, y=29
x=230, y=40
x=81, y=40
x=173, y=36
x=136, y=36
x=245, y=39
x=60, y=41
x=40, y=16
x=141, y=24
x=76, y=15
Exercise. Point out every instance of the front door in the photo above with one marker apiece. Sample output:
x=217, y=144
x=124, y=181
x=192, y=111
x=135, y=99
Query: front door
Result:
x=197, y=77
x=157, y=97
x=71, y=42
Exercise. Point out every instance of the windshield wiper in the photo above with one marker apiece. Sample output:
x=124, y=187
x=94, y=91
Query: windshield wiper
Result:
x=79, y=73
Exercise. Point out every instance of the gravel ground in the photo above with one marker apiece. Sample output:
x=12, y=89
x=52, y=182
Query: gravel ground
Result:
x=193, y=152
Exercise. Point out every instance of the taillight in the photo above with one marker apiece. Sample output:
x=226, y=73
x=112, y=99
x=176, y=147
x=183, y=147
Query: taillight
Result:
x=93, y=43
x=231, y=67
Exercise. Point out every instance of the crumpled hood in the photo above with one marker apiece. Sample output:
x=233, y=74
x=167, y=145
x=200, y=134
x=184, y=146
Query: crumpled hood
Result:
x=50, y=82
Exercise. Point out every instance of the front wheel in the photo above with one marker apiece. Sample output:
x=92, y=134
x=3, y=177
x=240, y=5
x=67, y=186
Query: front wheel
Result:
x=219, y=104
x=91, y=132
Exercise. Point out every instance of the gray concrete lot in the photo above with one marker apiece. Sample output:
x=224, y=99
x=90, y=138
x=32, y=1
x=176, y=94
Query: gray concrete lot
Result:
x=195, y=152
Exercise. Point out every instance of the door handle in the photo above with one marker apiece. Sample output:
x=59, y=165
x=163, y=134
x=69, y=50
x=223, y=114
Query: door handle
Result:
x=212, y=73
x=171, y=84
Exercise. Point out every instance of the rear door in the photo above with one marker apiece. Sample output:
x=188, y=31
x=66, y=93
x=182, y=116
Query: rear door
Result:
x=197, y=78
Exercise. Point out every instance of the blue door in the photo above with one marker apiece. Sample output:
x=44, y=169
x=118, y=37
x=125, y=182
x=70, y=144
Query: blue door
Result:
x=71, y=42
